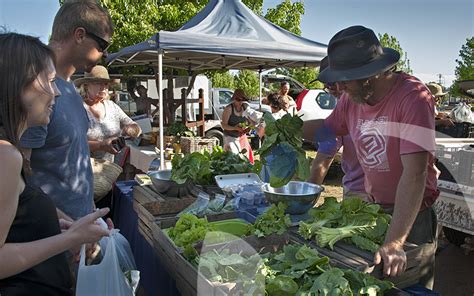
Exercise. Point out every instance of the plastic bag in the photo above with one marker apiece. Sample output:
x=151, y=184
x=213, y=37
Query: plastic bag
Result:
x=462, y=113
x=216, y=205
x=198, y=207
x=105, y=278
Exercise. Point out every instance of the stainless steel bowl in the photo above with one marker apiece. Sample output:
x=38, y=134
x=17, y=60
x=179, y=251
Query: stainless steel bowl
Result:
x=298, y=196
x=162, y=182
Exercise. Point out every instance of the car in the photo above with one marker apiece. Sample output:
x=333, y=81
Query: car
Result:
x=125, y=101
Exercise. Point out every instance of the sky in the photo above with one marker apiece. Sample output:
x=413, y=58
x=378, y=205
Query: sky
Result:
x=432, y=32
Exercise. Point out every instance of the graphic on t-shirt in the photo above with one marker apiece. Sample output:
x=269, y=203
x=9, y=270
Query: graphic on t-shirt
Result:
x=373, y=143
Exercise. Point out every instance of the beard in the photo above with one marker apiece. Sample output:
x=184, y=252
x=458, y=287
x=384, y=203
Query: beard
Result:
x=362, y=94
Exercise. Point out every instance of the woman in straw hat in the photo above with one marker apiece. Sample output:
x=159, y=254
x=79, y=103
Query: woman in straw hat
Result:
x=32, y=240
x=107, y=120
x=234, y=124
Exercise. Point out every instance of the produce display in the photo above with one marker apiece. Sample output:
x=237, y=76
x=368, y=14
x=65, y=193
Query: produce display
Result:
x=296, y=270
x=282, y=150
x=189, y=230
x=357, y=222
x=201, y=168
x=274, y=220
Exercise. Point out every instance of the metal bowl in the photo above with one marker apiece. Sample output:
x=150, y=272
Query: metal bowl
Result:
x=298, y=196
x=162, y=183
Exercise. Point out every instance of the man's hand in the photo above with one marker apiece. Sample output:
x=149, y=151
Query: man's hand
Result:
x=393, y=257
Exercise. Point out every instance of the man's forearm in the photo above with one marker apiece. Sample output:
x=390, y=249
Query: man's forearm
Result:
x=408, y=200
x=310, y=127
x=319, y=168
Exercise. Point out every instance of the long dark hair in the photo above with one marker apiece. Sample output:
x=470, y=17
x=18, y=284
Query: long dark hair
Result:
x=22, y=59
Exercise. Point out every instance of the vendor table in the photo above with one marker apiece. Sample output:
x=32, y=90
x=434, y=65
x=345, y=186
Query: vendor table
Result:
x=153, y=276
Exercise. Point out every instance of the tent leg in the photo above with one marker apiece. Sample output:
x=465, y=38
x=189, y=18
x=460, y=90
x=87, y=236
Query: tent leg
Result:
x=260, y=88
x=160, y=95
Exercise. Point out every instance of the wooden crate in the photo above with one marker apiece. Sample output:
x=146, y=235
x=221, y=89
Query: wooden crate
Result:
x=158, y=204
x=188, y=275
x=196, y=144
x=362, y=260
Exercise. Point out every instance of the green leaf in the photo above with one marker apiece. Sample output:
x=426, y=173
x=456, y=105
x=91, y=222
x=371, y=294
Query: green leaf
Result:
x=282, y=286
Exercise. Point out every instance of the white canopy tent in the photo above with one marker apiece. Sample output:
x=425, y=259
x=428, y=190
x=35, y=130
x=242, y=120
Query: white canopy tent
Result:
x=223, y=35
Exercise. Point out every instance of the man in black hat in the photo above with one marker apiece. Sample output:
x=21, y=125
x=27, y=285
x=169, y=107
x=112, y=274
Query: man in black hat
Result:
x=390, y=117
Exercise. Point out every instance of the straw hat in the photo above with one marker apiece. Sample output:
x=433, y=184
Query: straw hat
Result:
x=436, y=90
x=97, y=74
x=240, y=93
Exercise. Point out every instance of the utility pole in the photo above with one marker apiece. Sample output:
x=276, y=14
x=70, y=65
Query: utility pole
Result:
x=440, y=79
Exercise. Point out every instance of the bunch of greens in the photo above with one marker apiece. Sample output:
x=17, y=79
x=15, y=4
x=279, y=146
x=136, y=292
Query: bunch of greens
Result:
x=360, y=223
x=295, y=270
x=274, y=220
x=281, y=150
x=189, y=230
x=178, y=129
x=201, y=168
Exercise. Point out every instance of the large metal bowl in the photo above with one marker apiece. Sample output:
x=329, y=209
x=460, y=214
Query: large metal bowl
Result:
x=298, y=196
x=162, y=183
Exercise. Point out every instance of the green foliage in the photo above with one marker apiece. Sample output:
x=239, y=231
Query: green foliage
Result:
x=189, y=230
x=178, y=129
x=274, y=220
x=221, y=79
x=284, y=135
x=364, y=224
x=201, y=168
x=465, y=66
x=287, y=15
x=248, y=81
x=294, y=270
x=306, y=75
x=392, y=42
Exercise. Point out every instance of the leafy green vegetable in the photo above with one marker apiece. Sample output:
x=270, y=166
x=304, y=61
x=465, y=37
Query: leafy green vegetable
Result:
x=274, y=220
x=363, y=224
x=331, y=283
x=188, y=230
x=282, y=149
x=295, y=270
x=201, y=168
x=178, y=129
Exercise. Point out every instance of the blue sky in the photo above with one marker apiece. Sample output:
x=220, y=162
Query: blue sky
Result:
x=430, y=31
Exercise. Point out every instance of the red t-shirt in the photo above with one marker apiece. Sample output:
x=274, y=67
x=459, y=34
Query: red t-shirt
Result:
x=401, y=123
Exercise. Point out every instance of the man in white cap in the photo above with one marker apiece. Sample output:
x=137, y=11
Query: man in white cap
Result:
x=390, y=117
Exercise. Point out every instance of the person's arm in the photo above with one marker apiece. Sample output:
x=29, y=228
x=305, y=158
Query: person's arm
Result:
x=310, y=127
x=320, y=167
x=408, y=199
x=128, y=126
x=105, y=145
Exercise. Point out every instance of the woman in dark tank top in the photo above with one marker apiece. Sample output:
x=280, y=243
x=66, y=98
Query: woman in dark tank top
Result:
x=32, y=246
x=235, y=138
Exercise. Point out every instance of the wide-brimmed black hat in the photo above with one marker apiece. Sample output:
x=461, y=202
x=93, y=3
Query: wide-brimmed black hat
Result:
x=355, y=53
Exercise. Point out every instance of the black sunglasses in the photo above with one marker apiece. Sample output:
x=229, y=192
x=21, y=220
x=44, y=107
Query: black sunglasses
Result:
x=103, y=45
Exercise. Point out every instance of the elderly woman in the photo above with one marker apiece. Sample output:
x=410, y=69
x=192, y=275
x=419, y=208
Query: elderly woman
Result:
x=235, y=125
x=107, y=120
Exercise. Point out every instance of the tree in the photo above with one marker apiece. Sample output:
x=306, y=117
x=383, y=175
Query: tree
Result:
x=392, y=42
x=222, y=79
x=465, y=66
x=248, y=81
x=287, y=15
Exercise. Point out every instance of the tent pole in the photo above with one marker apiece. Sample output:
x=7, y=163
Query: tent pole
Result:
x=260, y=88
x=160, y=94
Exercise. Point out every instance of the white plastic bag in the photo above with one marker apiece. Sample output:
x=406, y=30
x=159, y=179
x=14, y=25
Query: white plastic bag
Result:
x=105, y=278
x=462, y=113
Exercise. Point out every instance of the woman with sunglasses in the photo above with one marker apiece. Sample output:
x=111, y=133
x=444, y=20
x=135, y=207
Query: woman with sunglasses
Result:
x=32, y=240
x=235, y=125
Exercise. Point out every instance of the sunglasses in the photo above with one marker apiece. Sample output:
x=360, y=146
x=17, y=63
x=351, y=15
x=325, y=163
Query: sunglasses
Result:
x=103, y=45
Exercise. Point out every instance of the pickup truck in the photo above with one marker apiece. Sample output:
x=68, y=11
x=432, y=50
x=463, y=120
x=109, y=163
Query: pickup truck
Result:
x=310, y=103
